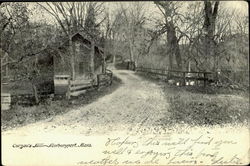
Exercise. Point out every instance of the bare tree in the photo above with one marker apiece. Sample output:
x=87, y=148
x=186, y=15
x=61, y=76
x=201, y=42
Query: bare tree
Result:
x=241, y=23
x=114, y=31
x=210, y=15
x=169, y=11
x=13, y=19
x=73, y=17
x=134, y=18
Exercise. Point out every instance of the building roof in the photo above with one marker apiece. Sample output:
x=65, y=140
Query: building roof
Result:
x=87, y=40
x=50, y=47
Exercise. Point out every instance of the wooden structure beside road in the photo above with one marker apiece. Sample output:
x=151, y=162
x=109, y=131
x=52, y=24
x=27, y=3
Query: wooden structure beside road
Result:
x=78, y=87
x=61, y=84
x=105, y=78
x=5, y=101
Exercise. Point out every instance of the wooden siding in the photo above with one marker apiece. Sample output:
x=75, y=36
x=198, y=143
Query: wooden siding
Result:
x=82, y=50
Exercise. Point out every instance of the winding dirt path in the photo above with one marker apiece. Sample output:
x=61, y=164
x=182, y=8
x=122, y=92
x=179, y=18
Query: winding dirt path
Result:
x=133, y=108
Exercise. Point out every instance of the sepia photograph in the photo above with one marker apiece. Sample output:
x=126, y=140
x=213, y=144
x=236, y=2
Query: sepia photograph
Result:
x=125, y=83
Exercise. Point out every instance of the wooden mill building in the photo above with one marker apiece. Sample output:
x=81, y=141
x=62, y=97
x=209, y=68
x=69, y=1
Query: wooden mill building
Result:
x=77, y=59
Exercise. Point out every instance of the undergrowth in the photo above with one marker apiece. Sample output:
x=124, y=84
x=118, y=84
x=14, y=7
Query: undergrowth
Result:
x=203, y=106
x=20, y=115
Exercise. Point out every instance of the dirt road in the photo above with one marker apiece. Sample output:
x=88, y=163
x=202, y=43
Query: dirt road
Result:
x=121, y=127
x=133, y=108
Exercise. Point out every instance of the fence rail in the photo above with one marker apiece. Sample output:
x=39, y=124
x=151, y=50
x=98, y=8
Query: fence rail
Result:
x=183, y=75
x=239, y=78
x=78, y=87
x=5, y=101
x=105, y=78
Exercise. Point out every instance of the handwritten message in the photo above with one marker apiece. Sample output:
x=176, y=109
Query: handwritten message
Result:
x=188, y=150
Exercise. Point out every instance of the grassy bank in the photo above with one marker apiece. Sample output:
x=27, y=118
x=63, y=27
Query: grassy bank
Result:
x=204, y=106
x=20, y=116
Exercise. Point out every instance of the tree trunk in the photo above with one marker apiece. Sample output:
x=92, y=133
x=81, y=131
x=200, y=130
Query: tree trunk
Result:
x=114, y=48
x=209, y=28
x=170, y=58
x=114, y=59
x=104, y=62
x=173, y=46
x=131, y=51
x=35, y=93
x=104, y=56
x=178, y=55
x=92, y=56
x=72, y=58
x=7, y=66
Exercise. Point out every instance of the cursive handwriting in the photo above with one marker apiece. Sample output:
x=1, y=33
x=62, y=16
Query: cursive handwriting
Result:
x=188, y=150
x=119, y=142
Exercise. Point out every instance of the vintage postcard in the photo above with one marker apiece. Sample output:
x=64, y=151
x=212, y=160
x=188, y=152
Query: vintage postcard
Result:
x=125, y=83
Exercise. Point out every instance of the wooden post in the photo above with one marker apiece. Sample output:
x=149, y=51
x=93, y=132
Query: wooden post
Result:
x=98, y=81
x=35, y=93
x=184, y=78
x=114, y=60
x=92, y=56
x=189, y=66
x=104, y=58
x=234, y=76
x=111, y=78
x=205, y=79
x=68, y=93
x=168, y=73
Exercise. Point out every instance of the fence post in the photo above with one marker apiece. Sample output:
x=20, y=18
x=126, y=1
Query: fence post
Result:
x=162, y=72
x=205, y=79
x=98, y=81
x=133, y=65
x=168, y=73
x=111, y=78
x=234, y=76
x=184, y=78
x=68, y=93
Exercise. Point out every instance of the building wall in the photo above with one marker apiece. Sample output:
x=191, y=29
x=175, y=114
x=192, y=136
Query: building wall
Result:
x=97, y=59
x=82, y=59
x=82, y=52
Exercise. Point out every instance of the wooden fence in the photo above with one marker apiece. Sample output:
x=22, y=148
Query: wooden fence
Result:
x=5, y=101
x=105, y=78
x=223, y=77
x=61, y=84
x=184, y=76
x=78, y=87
